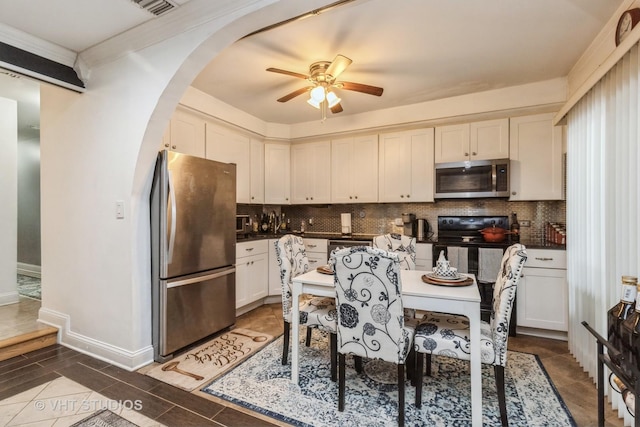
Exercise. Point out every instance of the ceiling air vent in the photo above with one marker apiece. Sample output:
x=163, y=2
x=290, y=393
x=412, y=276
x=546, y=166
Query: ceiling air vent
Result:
x=157, y=7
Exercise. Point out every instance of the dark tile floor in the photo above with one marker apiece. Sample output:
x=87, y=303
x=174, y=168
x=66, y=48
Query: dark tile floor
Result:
x=174, y=407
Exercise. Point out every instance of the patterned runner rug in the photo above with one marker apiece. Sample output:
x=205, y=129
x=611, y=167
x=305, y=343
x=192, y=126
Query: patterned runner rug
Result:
x=371, y=398
x=104, y=418
x=29, y=286
x=201, y=364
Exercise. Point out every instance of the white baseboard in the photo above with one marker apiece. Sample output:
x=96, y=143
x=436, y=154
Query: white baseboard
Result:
x=29, y=270
x=129, y=360
x=543, y=333
x=9, y=298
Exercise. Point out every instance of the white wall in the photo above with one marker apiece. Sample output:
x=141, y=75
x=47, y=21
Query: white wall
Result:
x=9, y=200
x=99, y=147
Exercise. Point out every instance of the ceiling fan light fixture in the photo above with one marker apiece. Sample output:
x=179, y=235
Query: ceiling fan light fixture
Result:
x=332, y=99
x=314, y=103
x=318, y=94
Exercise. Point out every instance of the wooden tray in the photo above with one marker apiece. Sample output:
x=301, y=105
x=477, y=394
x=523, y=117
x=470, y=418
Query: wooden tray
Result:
x=444, y=282
x=324, y=269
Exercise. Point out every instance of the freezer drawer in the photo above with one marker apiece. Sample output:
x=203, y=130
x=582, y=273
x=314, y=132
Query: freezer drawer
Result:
x=189, y=309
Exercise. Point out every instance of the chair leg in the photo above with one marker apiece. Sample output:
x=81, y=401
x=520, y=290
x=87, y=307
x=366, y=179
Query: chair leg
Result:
x=308, y=342
x=358, y=363
x=428, y=364
x=341, y=368
x=285, y=345
x=333, y=342
x=502, y=403
x=418, y=378
x=400, y=395
x=411, y=365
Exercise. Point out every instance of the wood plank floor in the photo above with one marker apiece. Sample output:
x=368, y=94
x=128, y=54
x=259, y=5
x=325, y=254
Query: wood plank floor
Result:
x=174, y=407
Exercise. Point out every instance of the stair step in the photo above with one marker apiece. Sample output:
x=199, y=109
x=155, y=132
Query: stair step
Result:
x=42, y=337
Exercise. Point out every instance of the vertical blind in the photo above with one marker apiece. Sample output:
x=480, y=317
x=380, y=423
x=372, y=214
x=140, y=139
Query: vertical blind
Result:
x=602, y=205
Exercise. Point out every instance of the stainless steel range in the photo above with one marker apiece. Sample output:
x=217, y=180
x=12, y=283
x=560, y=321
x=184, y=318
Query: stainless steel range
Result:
x=461, y=240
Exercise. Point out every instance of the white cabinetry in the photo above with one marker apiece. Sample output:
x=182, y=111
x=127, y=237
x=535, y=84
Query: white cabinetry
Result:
x=277, y=167
x=251, y=271
x=257, y=171
x=316, y=250
x=484, y=140
x=228, y=146
x=424, y=256
x=406, y=166
x=311, y=173
x=275, y=287
x=542, y=298
x=536, y=158
x=354, y=170
x=185, y=133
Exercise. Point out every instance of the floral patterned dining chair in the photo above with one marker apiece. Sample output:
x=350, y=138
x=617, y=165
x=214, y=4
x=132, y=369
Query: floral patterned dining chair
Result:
x=316, y=312
x=370, y=313
x=402, y=245
x=448, y=334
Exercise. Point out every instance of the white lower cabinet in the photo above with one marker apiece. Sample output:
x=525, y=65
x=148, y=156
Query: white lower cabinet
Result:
x=275, y=288
x=424, y=256
x=252, y=266
x=316, y=250
x=542, y=296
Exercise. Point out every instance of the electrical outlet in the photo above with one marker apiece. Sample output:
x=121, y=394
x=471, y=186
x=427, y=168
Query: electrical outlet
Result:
x=525, y=223
x=398, y=222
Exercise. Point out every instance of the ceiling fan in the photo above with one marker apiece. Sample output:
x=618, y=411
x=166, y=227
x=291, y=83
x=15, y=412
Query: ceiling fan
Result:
x=323, y=77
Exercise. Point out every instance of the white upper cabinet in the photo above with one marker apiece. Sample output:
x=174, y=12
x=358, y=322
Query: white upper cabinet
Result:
x=536, y=158
x=277, y=169
x=311, y=173
x=257, y=171
x=406, y=166
x=484, y=140
x=185, y=134
x=227, y=146
x=354, y=170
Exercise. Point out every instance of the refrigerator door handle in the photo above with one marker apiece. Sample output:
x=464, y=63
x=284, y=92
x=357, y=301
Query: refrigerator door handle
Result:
x=172, y=231
x=201, y=278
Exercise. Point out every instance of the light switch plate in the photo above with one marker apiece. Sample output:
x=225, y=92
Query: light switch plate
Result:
x=525, y=223
x=119, y=209
x=398, y=222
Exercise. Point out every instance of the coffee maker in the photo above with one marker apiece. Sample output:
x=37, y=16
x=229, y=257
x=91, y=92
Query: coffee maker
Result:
x=410, y=224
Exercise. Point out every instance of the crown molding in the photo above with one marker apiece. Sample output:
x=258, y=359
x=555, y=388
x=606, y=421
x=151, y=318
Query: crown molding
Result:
x=187, y=17
x=37, y=46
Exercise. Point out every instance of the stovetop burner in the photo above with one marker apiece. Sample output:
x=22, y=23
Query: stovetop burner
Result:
x=466, y=229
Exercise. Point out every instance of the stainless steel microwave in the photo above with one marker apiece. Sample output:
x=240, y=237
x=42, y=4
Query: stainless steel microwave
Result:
x=473, y=179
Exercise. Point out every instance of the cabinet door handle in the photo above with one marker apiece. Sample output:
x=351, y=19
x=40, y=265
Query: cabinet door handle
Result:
x=474, y=153
x=312, y=261
x=544, y=259
x=356, y=197
x=248, y=249
x=513, y=193
x=312, y=246
x=402, y=196
x=174, y=147
x=408, y=196
x=466, y=154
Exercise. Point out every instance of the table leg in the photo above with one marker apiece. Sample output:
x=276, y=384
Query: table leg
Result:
x=295, y=331
x=476, y=366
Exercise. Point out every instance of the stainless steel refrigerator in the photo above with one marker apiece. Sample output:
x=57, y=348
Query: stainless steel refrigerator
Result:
x=193, y=208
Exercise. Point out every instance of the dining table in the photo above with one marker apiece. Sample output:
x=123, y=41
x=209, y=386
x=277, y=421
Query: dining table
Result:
x=416, y=294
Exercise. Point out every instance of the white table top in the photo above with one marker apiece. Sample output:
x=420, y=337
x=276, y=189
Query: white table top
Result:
x=412, y=285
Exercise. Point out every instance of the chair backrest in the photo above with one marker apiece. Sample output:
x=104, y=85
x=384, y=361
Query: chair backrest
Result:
x=404, y=246
x=293, y=261
x=369, y=300
x=504, y=294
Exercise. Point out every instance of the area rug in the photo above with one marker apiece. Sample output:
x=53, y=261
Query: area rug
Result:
x=29, y=286
x=263, y=384
x=201, y=364
x=104, y=418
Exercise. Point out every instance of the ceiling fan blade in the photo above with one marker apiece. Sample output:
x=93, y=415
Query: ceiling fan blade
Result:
x=295, y=93
x=359, y=87
x=339, y=64
x=288, y=73
x=336, y=109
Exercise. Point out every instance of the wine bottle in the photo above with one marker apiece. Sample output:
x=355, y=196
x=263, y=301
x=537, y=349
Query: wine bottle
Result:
x=627, y=395
x=515, y=228
x=630, y=335
x=619, y=312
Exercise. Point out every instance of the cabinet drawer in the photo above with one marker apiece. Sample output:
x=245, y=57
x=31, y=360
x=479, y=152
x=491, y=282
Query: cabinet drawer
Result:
x=546, y=258
x=424, y=251
x=315, y=245
x=251, y=248
x=316, y=260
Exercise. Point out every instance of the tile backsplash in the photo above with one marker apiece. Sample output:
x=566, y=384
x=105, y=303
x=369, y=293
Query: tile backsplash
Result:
x=379, y=218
